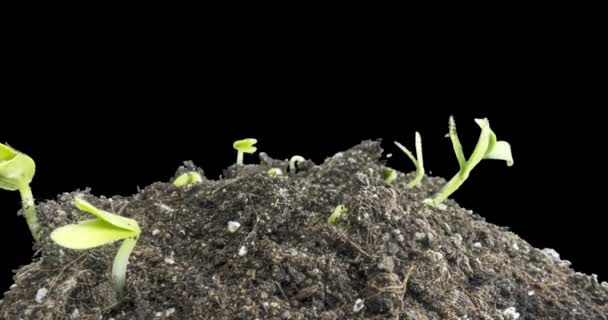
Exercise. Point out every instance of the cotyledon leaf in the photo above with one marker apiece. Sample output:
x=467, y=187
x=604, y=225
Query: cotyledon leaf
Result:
x=89, y=234
x=113, y=219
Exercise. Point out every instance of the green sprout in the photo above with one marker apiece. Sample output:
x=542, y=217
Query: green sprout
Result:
x=487, y=148
x=418, y=161
x=338, y=212
x=295, y=160
x=188, y=178
x=389, y=174
x=16, y=172
x=274, y=172
x=242, y=147
x=107, y=228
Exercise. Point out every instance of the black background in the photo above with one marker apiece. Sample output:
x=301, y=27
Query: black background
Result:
x=113, y=120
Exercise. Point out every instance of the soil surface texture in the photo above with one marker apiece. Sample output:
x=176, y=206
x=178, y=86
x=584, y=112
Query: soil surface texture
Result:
x=390, y=257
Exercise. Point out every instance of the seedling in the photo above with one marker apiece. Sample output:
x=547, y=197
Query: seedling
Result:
x=16, y=172
x=338, y=212
x=487, y=148
x=418, y=161
x=107, y=228
x=274, y=172
x=242, y=147
x=295, y=160
x=389, y=174
x=188, y=178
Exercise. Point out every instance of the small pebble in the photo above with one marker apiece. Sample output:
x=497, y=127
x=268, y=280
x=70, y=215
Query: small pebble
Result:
x=233, y=226
x=358, y=305
x=41, y=294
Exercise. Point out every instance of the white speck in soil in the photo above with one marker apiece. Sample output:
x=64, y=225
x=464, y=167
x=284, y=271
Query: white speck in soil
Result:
x=165, y=208
x=159, y=314
x=233, y=226
x=531, y=293
x=419, y=236
x=442, y=207
x=515, y=246
x=510, y=313
x=41, y=294
x=242, y=251
x=75, y=314
x=358, y=305
x=551, y=254
x=155, y=232
x=169, y=312
x=477, y=245
x=170, y=260
x=388, y=155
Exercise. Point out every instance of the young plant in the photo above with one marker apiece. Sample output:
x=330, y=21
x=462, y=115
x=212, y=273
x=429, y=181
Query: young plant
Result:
x=242, y=147
x=295, y=160
x=487, y=148
x=188, y=178
x=275, y=172
x=338, y=212
x=107, y=228
x=389, y=174
x=418, y=161
x=16, y=172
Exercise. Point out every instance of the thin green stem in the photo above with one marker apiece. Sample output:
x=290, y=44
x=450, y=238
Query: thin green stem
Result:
x=119, y=268
x=448, y=189
x=29, y=211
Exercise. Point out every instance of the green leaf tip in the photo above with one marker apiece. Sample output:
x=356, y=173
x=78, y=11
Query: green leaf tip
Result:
x=488, y=147
x=275, y=172
x=339, y=211
x=16, y=173
x=418, y=160
x=389, y=174
x=188, y=178
x=295, y=160
x=16, y=169
x=111, y=218
x=245, y=145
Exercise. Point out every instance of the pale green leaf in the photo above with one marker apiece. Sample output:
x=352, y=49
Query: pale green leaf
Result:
x=113, y=219
x=245, y=145
x=16, y=169
x=501, y=151
x=89, y=234
x=188, y=178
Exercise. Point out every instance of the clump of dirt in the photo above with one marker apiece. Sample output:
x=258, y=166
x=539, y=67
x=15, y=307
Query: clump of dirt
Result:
x=391, y=257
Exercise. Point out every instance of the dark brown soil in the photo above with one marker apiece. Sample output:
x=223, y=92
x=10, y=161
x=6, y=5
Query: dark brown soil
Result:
x=390, y=258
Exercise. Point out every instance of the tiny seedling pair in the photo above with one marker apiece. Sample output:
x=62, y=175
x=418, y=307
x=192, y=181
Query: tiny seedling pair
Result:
x=488, y=147
x=16, y=173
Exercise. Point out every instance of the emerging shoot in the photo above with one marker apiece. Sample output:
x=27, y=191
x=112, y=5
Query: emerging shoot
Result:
x=338, y=212
x=418, y=161
x=107, y=228
x=487, y=148
x=16, y=172
x=389, y=174
x=188, y=178
x=295, y=160
x=275, y=172
x=242, y=147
